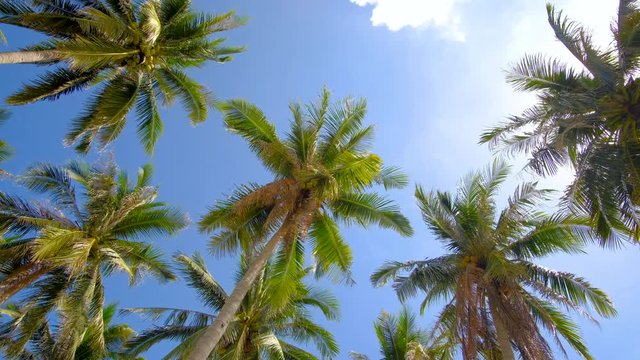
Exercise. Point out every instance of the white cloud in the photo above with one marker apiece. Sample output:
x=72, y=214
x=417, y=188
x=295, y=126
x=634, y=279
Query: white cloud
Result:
x=445, y=16
x=397, y=14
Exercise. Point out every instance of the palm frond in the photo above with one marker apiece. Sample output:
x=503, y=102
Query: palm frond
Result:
x=288, y=269
x=392, y=178
x=149, y=123
x=249, y=122
x=559, y=324
x=329, y=248
x=55, y=181
x=210, y=291
x=324, y=301
x=575, y=288
x=537, y=72
x=193, y=96
x=106, y=114
x=155, y=219
x=578, y=42
x=366, y=209
x=53, y=84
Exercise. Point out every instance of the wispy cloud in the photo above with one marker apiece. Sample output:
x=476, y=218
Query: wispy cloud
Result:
x=397, y=14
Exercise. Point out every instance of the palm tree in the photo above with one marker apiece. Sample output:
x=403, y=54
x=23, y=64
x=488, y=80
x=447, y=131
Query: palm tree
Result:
x=115, y=335
x=400, y=338
x=322, y=169
x=498, y=298
x=587, y=117
x=60, y=251
x=258, y=331
x=137, y=49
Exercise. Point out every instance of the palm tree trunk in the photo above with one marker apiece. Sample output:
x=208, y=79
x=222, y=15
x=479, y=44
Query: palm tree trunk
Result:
x=212, y=335
x=21, y=278
x=501, y=330
x=28, y=57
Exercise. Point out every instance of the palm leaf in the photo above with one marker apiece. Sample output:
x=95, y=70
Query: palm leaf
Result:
x=52, y=85
x=210, y=291
x=366, y=209
x=149, y=123
x=192, y=95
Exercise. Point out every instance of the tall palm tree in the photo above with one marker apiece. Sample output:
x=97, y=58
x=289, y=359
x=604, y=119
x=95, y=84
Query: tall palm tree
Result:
x=258, y=331
x=136, y=49
x=400, y=338
x=41, y=345
x=587, y=117
x=322, y=170
x=493, y=289
x=61, y=250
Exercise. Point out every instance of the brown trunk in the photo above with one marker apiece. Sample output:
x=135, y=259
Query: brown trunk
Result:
x=28, y=57
x=502, y=333
x=21, y=278
x=469, y=297
x=212, y=335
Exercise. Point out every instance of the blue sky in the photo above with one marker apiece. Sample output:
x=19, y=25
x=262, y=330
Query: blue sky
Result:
x=433, y=74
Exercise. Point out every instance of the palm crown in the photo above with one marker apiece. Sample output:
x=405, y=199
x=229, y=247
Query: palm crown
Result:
x=322, y=169
x=587, y=117
x=258, y=331
x=138, y=50
x=62, y=250
x=496, y=294
x=401, y=338
x=42, y=343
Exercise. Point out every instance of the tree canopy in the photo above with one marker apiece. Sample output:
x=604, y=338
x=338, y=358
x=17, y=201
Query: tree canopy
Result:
x=137, y=50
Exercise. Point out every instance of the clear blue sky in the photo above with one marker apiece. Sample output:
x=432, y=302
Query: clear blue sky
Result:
x=431, y=90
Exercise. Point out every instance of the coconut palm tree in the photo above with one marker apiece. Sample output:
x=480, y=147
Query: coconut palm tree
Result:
x=258, y=331
x=138, y=50
x=493, y=289
x=400, y=338
x=587, y=117
x=322, y=170
x=41, y=345
x=60, y=251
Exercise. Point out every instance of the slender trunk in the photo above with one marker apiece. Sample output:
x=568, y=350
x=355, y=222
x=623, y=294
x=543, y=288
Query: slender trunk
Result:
x=301, y=218
x=21, y=278
x=212, y=335
x=28, y=57
x=501, y=330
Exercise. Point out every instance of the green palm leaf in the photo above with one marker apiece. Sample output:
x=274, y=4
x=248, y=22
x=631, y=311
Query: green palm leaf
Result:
x=367, y=209
x=194, y=269
x=328, y=244
x=118, y=43
x=149, y=124
x=192, y=95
